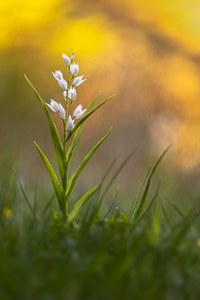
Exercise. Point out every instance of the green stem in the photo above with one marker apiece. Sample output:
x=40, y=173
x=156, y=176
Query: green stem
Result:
x=66, y=167
x=65, y=179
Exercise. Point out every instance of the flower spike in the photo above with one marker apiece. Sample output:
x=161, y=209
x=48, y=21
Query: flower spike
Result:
x=69, y=118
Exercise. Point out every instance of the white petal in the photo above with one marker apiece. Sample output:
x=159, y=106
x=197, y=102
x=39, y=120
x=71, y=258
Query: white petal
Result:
x=62, y=112
x=72, y=93
x=66, y=59
x=70, y=123
x=63, y=84
x=74, y=69
x=58, y=75
x=53, y=105
x=78, y=112
x=78, y=80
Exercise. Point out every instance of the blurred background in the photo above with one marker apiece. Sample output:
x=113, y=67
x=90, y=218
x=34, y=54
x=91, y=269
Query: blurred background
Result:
x=148, y=52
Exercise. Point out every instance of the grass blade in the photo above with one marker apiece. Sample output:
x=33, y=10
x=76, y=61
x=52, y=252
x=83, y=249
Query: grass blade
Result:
x=115, y=175
x=26, y=198
x=135, y=203
x=141, y=205
x=165, y=214
x=112, y=206
x=177, y=209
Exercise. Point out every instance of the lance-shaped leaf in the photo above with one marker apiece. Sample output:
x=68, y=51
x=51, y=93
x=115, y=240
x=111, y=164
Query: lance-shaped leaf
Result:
x=51, y=172
x=88, y=114
x=74, y=177
x=77, y=206
x=54, y=131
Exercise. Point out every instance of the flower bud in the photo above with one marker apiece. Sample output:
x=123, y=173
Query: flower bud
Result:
x=63, y=84
x=66, y=59
x=62, y=112
x=70, y=124
x=74, y=69
x=72, y=93
x=73, y=56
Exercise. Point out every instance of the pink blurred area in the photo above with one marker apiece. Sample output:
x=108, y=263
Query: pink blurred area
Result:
x=148, y=52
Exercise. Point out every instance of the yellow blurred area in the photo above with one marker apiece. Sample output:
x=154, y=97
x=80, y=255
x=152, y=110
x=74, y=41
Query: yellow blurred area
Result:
x=88, y=36
x=7, y=212
x=147, y=51
x=180, y=19
x=19, y=17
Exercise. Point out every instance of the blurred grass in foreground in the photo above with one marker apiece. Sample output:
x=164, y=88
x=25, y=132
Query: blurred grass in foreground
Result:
x=147, y=253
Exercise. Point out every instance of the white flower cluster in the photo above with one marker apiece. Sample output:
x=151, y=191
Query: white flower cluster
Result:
x=69, y=93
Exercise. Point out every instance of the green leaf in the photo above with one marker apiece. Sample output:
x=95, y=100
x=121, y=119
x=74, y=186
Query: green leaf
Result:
x=73, y=145
x=52, y=174
x=55, y=214
x=77, y=206
x=88, y=114
x=54, y=131
x=74, y=177
x=92, y=103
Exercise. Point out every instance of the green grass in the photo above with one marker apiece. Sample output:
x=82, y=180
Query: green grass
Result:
x=145, y=254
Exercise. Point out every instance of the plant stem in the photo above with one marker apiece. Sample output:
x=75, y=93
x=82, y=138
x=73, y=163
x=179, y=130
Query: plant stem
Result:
x=65, y=177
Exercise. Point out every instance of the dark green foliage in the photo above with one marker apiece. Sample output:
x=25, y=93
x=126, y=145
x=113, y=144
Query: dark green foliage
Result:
x=107, y=258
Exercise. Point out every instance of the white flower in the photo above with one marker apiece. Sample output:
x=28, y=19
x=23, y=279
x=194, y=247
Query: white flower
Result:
x=61, y=111
x=66, y=59
x=72, y=93
x=78, y=113
x=57, y=107
x=58, y=75
x=53, y=105
x=63, y=84
x=70, y=124
x=74, y=69
x=78, y=80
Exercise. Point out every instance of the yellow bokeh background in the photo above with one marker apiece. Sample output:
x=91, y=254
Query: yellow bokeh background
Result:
x=146, y=51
